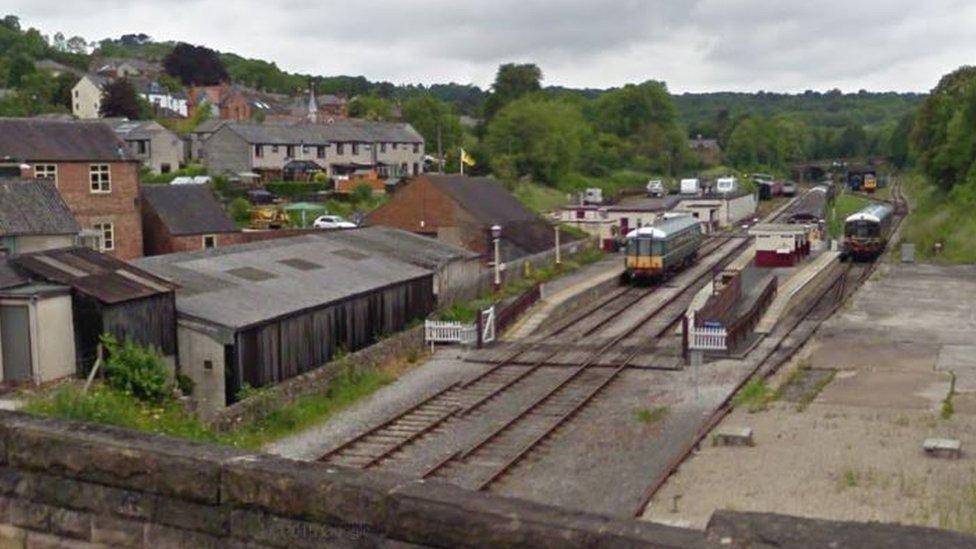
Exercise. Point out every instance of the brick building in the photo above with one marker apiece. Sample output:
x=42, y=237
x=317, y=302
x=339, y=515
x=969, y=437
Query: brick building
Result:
x=92, y=168
x=184, y=218
x=461, y=210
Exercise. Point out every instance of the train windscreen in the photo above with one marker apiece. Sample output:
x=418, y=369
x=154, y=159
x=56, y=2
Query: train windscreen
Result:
x=862, y=229
x=638, y=246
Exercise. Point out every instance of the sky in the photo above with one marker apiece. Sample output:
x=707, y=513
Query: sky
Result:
x=692, y=45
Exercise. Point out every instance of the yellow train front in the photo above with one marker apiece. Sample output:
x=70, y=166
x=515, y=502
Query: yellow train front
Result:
x=655, y=252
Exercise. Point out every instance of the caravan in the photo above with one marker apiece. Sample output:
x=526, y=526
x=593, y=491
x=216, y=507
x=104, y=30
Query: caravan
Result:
x=726, y=185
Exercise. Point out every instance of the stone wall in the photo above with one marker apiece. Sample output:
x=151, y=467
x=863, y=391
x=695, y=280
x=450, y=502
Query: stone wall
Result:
x=63, y=482
x=68, y=484
x=318, y=380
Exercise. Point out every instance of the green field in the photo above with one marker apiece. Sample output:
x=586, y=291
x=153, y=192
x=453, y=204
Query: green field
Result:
x=936, y=216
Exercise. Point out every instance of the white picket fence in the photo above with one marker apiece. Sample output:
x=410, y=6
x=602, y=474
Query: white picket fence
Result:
x=451, y=331
x=705, y=338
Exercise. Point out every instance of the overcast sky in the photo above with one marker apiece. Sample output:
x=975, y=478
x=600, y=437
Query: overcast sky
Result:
x=703, y=45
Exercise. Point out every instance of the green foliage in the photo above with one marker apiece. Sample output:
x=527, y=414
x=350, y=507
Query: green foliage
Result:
x=135, y=370
x=538, y=198
x=939, y=216
x=651, y=415
x=370, y=108
x=537, y=137
x=120, y=100
x=844, y=205
x=755, y=395
x=289, y=189
x=361, y=193
x=195, y=65
x=943, y=137
x=240, y=211
x=185, y=383
x=512, y=81
x=435, y=120
x=189, y=171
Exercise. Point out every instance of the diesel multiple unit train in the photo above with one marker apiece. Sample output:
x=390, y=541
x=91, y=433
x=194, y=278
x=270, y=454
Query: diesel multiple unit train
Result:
x=657, y=251
x=866, y=231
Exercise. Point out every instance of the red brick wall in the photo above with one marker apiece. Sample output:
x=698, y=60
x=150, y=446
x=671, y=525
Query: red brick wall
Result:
x=119, y=207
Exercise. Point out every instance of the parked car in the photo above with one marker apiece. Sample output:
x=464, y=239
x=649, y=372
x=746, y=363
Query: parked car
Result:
x=789, y=188
x=655, y=188
x=332, y=222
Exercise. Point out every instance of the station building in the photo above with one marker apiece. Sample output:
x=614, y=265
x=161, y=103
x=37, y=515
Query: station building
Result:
x=780, y=244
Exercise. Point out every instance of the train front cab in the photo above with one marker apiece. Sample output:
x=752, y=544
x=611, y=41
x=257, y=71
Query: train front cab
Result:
x=642, y=264
x=863, y=240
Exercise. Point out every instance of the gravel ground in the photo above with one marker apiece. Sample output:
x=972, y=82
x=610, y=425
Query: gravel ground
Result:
x=855, y=452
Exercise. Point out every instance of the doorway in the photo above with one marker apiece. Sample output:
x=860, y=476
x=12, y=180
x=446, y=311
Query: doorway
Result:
x=15, y=342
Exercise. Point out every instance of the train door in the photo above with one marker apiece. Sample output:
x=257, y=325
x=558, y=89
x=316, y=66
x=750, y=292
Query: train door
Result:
x=624, y=226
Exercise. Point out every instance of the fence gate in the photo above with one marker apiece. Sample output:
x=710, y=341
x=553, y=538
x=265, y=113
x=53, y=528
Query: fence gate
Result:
x=488, y=325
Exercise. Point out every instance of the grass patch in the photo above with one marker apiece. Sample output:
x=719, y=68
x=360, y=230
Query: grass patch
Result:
x=650, y=415
x=539, y=198
x=844, y=205
x=948, y=408
x=103, y=404
x=937, y=216
x=754, y=395
x=620, y=180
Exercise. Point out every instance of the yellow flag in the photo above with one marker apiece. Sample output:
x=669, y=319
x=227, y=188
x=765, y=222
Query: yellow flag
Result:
x=466, y=159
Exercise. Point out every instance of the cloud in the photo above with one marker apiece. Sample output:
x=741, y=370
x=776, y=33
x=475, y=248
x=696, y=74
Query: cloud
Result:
x=693, y=45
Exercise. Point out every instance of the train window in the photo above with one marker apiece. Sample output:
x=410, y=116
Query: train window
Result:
x=632, y=247
x=657, y=247
x=862, y=229
x=645, y=247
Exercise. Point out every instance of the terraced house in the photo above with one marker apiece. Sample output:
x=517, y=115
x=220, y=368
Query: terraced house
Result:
x=91, y=167
x=339, y=148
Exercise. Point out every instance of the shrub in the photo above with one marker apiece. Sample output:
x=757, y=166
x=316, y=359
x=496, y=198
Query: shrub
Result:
x=289, y=189
x=362, y=193
x=136, y=370
x=185, y=383
x=240, y=210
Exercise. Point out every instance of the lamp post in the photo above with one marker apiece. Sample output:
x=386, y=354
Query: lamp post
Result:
x=496, y=233
x=555, y=226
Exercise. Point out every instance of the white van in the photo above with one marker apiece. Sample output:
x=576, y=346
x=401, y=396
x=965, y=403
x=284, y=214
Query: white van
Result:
x=593, y=196
x=690, y=186
x=726, y=185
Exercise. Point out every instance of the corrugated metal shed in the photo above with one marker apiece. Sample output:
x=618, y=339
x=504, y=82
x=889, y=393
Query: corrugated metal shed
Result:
x=34, y=207
x=248, y=284
x=100, y=276
x=415, y=249
x=33, y=139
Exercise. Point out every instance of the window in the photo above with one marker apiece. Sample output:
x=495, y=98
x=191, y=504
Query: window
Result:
x=100, y=178
x=259, y=151
x=106, y=235
x=355, y=149
x=208, y=365
x=209, y=241
x=274, y=149
x=320, y=151
x=382, y=147
x=142, y=147
x=339, y=148
x=416, y=148
x=76, y=94
x=304, y=149
x=394, y=146
x=46, y=171
x=165, y=168
x=290, y=151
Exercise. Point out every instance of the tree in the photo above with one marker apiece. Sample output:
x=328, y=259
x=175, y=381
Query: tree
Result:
x=370, y=108
x=942, y=148
x=195, y=65
x=119, y=99
x=11, y=22
x=77, y=45
x=435, y=121
x=512, y=82
x=853, y=141
x=538, y=137
x=20, y=67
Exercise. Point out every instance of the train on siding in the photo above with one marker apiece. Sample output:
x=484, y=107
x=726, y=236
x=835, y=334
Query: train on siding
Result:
x=866, y=231
x=656, y=252
x=811, y=207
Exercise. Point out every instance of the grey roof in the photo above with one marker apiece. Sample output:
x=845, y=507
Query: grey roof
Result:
x=249, y=284
x=187, y=209
x=10, y=276
x=33, y=139
x=323, y=134
x=209, y=125
x=132, y=130
x=34, y=207
x=413, y=248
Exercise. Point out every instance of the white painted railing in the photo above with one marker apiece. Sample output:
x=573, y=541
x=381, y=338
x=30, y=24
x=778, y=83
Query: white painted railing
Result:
x=488, y=325
x=705, y=338
x=447, y=331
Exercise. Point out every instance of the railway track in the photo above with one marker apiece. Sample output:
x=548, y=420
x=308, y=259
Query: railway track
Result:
x=382, y=442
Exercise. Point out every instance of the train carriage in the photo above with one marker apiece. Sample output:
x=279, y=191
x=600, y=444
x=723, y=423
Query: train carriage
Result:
x=657, y=251
x=866, y=232
x=811, y=207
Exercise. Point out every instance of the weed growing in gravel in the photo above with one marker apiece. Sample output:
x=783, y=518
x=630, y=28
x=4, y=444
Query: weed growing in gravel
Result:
x=755, y=395
x=651, y=415
x=947, y=407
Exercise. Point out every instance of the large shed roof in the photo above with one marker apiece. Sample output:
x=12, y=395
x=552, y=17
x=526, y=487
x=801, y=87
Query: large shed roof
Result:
x=415, y=249
x=249, y=284
x=187, y=209
x=34, y=207
x=34, y=139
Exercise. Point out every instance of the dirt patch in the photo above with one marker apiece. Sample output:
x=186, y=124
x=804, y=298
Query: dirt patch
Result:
x=804, y=384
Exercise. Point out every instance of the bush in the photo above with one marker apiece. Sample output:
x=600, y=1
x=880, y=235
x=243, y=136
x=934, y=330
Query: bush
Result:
x=136, y=370
x=240, y=210
x=362, y=193
x=288, y=189
x=185, y=383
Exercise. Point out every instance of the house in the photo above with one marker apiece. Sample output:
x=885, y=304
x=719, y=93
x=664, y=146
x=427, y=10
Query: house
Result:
x=719, y=210
x=461, y=210
x=92, y=168
x=263, y=312
x=240, y=103
x=55, y=69
x=34, y=217
x=200, y=134
x=151, y=143
x=780, y=245
x=341, y=148
x=183, y=218
x=86, y=96
x=36, y=331
x=125, y=67
x=107, y=295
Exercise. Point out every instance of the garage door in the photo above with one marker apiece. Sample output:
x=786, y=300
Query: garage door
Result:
x=15, y=342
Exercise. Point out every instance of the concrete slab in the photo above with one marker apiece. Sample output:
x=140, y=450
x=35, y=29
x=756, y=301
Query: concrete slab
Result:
x=887, y=389
x=960, y=360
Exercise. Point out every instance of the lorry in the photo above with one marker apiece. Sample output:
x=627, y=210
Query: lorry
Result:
x=690, y=186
